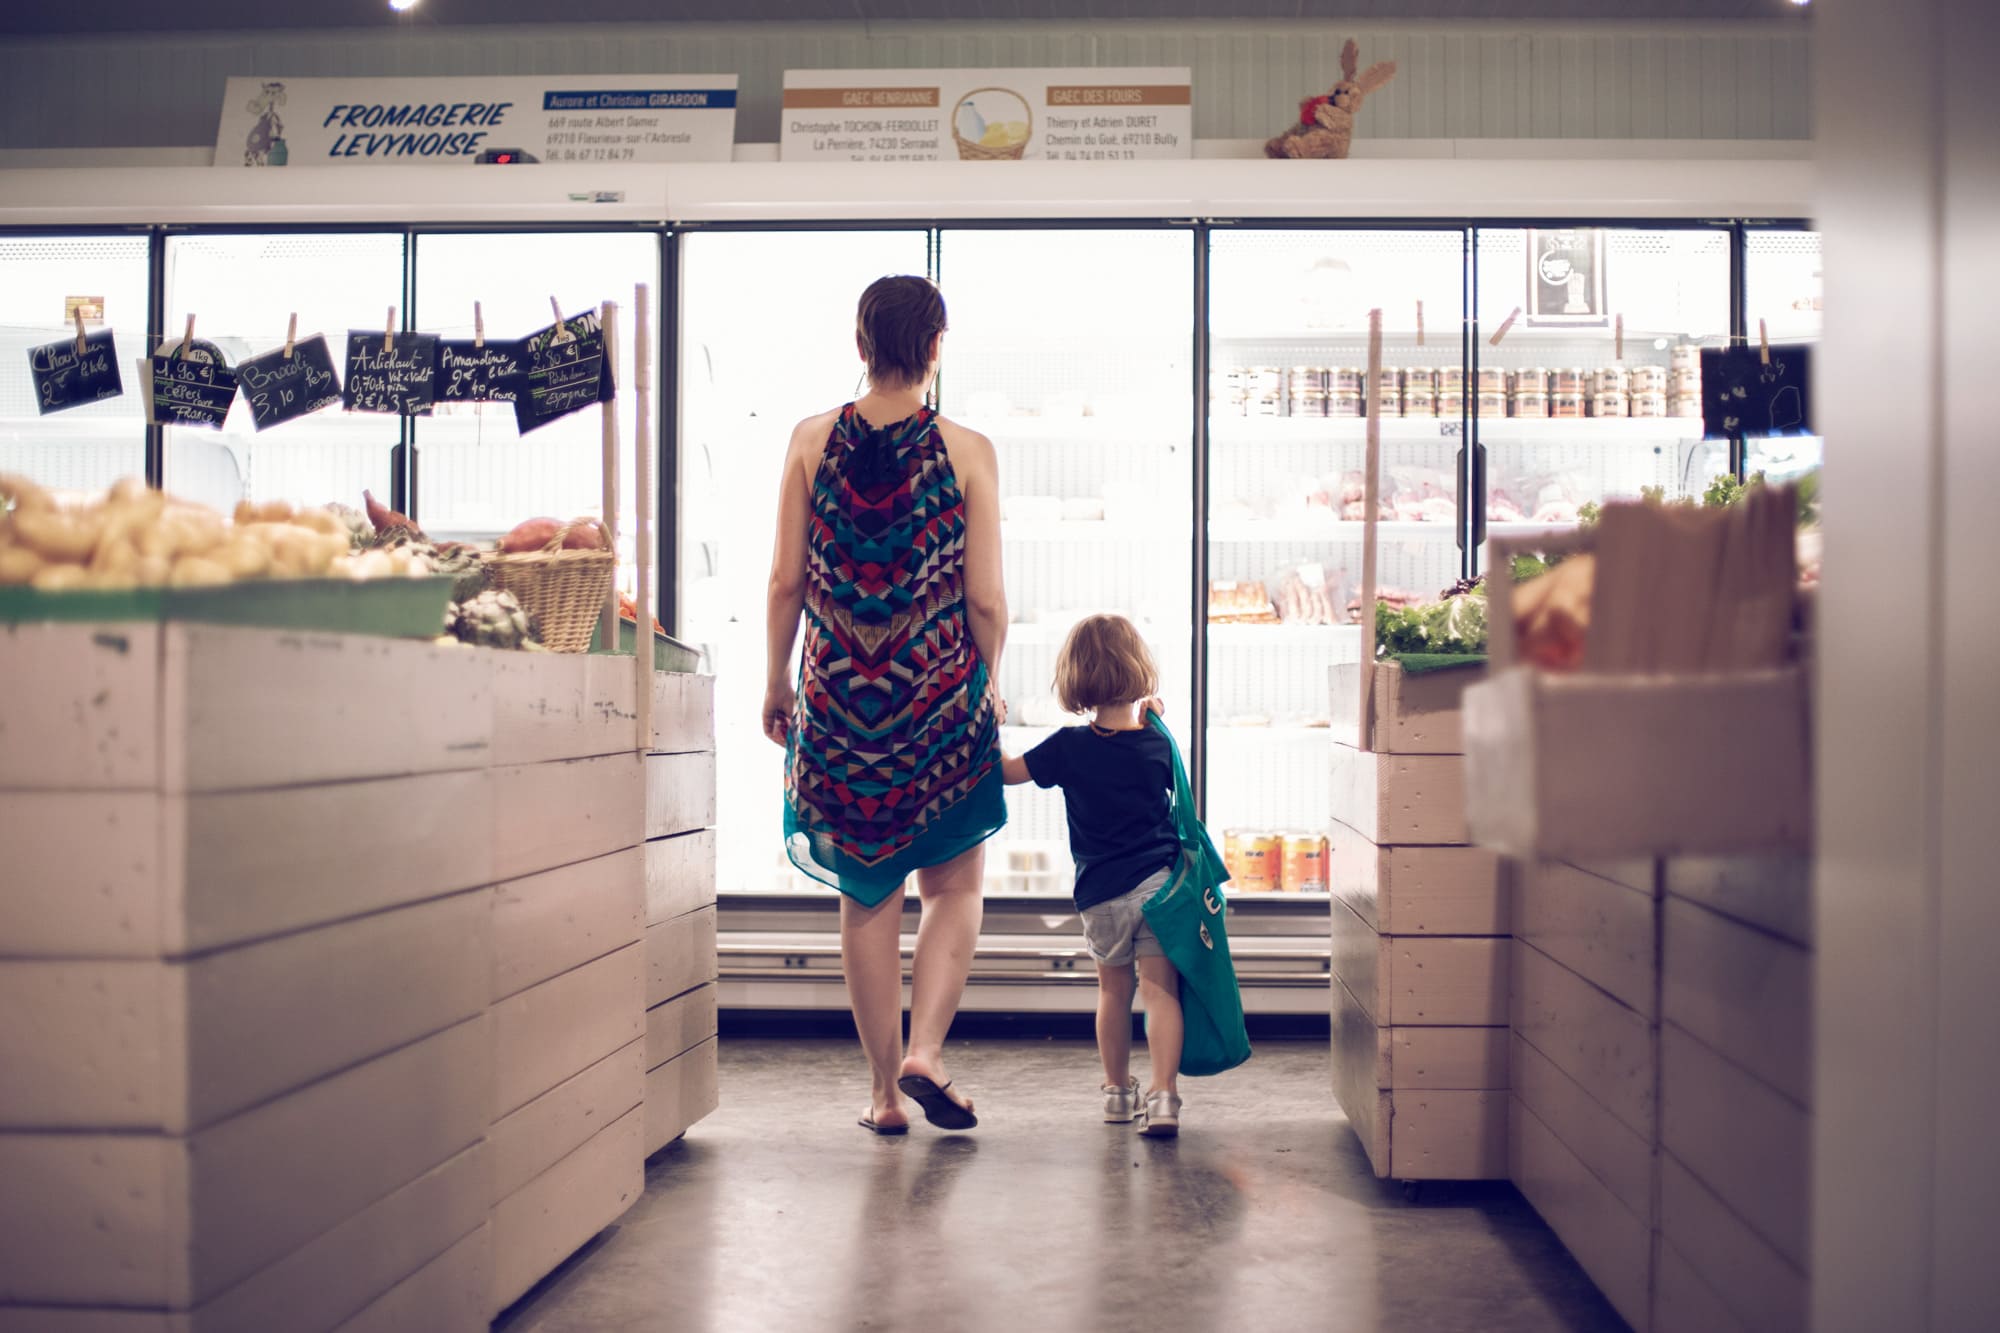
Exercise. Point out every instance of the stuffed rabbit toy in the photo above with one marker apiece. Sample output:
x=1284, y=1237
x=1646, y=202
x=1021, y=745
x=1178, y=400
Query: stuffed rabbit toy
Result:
x=1326, y=124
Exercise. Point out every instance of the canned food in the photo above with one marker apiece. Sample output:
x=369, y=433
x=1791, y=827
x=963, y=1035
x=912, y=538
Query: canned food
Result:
x=1389, y=382
x=1311, y=403
x=1345, y=379
x=1492, y=379
x=1343, y=403
x=1684, y=380
x=1687, y=404
x=1530, y=403
x=1420, y=402
x=1450, y=403
x=1307, y=377
x=1492, y=403
x=1566, y=405
x=1610, y=379
x=1687, y=356
x=1451, y=379
x=1264, y=391
x=1305, y=864
x=1649, y=403
x=1255, y=861
x=1534, y=377
x=1420, y=377
x=1608, y=405
x=1647, y=379
x=1572, y=380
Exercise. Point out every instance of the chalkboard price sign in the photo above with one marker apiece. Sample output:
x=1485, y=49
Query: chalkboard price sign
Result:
x=470, y=373
x=64, y=377
x=382, y=378
x=1744, y=395
x=566, y=372
x=187, y=392
x=281, y=389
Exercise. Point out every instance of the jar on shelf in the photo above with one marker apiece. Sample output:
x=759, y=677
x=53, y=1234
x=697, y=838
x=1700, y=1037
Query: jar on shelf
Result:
x=1609, y=404
x=1344, y=403
x=1687, y=356
x=1451, y=379
x=1390, y=383
x=1308, y=402
x=1492, y=379
x=1568, y=406
x=1420, y=402
x=1305, y=863
x=1571, y=379
x=1254, y=859
x=1647, y=379
x=1450, y=403
x=1345, y=379
x=1491, y=403
x=1684, y=379
x=1649, y=403
x=1424, y=377
x=1686, y=404
x=1264, y=391
x=1610, y=379
x=1530, y=403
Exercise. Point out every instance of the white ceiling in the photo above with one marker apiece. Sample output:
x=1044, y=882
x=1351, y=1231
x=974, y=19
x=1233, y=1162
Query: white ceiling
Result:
x=19, y=17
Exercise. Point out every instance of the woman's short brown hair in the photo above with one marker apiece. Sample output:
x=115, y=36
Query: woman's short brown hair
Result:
x=895, y=324
x=1104, y=662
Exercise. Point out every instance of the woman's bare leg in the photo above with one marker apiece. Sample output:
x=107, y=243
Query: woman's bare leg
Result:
x=1114, y=1022
x=947, y=934
x=871, y=958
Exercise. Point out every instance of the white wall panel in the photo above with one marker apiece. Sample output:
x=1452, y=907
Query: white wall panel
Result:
x=1470, y=80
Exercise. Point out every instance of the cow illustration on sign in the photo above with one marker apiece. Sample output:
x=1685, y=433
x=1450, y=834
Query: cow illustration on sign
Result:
x=264, y=146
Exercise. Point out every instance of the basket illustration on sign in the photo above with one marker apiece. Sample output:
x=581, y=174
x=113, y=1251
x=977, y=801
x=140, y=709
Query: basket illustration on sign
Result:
x=264, y=146
x=992, y=125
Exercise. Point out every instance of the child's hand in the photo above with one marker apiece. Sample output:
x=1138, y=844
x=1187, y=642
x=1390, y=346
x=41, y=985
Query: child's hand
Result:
x=1153, y=705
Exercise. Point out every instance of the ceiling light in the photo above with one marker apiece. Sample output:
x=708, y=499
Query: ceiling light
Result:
x=400, y=5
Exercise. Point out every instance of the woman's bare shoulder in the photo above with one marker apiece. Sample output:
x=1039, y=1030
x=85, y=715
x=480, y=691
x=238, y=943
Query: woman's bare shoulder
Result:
x=814, y=429
x=968, y=448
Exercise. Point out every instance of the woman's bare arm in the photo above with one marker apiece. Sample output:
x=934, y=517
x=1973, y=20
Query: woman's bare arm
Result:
x=1014, y=770
x=786, y=596
x=978, y=470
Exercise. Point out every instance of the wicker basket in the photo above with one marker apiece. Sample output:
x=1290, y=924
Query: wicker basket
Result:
x=564, y=591
x=969, y=151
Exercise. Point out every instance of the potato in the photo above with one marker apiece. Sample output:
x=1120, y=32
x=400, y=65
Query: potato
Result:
x=114, y=557
x=244, y=557
x=585, y=534
x=61, y=578
x=57, y=537
x=276, y=511
x=152, y=571
x=530, y=535
x=25, y=494
x=111, y=580
x=18, y=565
x=245, y=512
x=126, y=490
x=198, y=571
x=322, y=521
x=367, y=565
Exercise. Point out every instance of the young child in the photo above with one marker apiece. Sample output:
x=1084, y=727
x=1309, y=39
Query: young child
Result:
x=1117, y=779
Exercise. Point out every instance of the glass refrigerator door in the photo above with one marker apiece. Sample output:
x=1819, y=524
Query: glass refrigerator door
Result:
x=1288, y=357
x=766, y=340
x=87, y=447
x=1072, y=350
x=1781, y=287
x=1565, y=419
x=242, y=289
x=477, y=476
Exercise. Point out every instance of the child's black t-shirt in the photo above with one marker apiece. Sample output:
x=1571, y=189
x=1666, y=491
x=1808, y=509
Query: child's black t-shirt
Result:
x=1118, y=790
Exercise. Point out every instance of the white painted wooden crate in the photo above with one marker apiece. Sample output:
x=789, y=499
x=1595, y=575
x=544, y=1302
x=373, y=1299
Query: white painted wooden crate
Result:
x=1408, y=714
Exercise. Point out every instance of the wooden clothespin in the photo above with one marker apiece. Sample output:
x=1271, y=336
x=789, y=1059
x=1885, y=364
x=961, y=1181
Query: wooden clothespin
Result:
x=187, y=341
x=1763, y=342
x=291, y=334
x=81, y=346
x=1618, y=339
x=1420, y=323
x=389, y=334
x=1505, y=325
x=478, y=326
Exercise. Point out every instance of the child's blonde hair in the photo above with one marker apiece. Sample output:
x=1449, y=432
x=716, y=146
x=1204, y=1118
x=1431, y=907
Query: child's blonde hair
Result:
x=1104, y=662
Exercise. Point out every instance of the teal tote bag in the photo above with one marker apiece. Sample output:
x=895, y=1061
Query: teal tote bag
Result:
x=1189, y=915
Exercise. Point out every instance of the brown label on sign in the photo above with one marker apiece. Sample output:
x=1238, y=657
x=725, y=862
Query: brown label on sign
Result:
x=834, y=99
x=1119, y=95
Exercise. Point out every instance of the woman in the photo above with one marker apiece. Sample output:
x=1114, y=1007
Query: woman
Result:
x=889, y=542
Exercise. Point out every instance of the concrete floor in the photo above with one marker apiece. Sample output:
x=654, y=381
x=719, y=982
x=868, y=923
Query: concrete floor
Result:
x=779, y=1213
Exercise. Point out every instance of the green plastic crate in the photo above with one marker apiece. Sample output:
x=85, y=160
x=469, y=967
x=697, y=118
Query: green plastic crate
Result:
x=397, y=608
x=669, y=653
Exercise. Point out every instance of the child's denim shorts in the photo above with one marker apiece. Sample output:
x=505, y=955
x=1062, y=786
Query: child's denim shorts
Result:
x=1116, y=932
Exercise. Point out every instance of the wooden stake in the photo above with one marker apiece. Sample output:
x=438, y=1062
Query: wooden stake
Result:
x=478, y=326
x=187, y=341
x=389, y=333
x=291, y=334
x=1505, y=325
x=607, y=620
x=1618, y=339
x=1420, y=323
x=81, y=346
x=642, y=508
x=1371, y=490
x=1764, y=342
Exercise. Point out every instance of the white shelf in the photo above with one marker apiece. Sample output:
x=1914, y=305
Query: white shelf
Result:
x=1231, y=430
x=1062, y=531
x=1282, y=636
x=1588, y=430
x=1338, y=531
x=1221, y=733
x=1097, y=430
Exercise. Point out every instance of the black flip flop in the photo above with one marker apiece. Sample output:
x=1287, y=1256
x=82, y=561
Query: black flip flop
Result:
x=886, y=1131
x=939, y=1109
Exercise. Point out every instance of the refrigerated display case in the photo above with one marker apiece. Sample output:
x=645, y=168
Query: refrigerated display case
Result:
x=242, y=288
x=1288, y=357
x=1782, y=293
x=1592, y=390
x=87, y=447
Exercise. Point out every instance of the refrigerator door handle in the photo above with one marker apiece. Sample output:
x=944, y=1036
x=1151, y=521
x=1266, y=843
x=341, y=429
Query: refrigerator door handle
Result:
x=1458, y=475
x=1478, y=496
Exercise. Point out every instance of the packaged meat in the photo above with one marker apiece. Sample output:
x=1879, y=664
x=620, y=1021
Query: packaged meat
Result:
x=1305, y=596
x=1245, y=602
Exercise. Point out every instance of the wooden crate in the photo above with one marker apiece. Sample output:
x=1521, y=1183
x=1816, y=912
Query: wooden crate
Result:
x=1605, y=1046
x=1613, y=1245
x=680, y=955
x=1409, y=714
x=1600, y=930
x=680, y=1024
x=551, y=1031
x=1421, y=890
x=683, y=712
x=680, y=793
x=546, y=924
x=1746, y=1273
x=1400, y=800
x=680, y=875
x=528, y=1141
x=679, y=1093
x=1419, y=980
x=449, y=1294
x=549, y=1218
